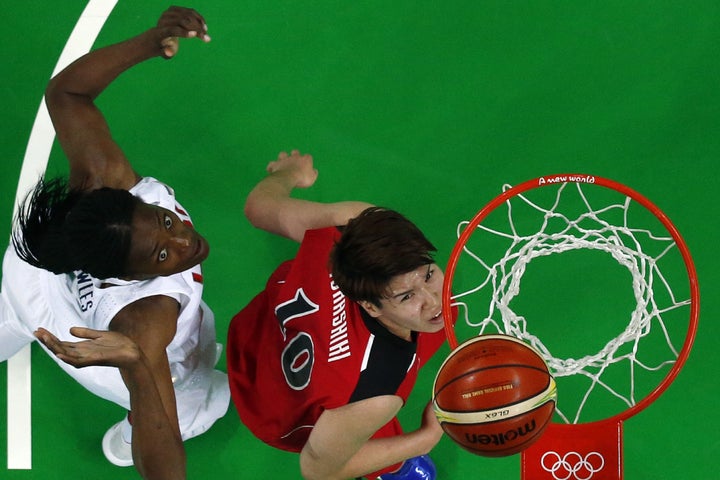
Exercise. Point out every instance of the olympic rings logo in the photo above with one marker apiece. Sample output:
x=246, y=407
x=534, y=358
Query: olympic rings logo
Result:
x=572, y=465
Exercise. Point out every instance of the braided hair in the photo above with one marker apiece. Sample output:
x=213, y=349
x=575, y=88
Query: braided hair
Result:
x=64, y=230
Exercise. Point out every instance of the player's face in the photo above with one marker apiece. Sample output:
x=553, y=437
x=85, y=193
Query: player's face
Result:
x=162, y=244
x=413, y=303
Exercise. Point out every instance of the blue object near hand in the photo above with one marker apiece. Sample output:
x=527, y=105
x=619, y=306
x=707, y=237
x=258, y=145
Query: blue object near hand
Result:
x=416, y=468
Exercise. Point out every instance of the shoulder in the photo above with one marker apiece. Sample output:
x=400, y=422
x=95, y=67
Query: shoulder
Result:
x=322, y=235
x=316, y=246
x=153, y=191
x=148, y=321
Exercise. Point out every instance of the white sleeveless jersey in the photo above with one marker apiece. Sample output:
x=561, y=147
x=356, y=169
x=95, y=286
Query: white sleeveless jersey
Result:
x=59, y=302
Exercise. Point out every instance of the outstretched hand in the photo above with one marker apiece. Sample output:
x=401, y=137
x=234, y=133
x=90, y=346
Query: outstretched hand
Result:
x=299, y=165
x=102, y=348
x=180, y=22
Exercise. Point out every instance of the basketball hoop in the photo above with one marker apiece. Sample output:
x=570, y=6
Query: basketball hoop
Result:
x=623, y=366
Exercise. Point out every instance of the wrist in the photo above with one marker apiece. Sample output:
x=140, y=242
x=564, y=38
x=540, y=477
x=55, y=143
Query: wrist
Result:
x=288, y=178
x=132, y=359
x=147, y=44
x=427, y=438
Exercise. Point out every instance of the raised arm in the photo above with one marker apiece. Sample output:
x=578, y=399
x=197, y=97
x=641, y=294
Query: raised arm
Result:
x=158, y=451
x=95, y=159
x=270, y=207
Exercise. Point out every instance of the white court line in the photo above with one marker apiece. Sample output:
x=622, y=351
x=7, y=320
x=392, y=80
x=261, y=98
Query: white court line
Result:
x=19, y=424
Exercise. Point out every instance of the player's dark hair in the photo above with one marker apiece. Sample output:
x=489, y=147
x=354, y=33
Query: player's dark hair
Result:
x=376, y=246
x=64, y=230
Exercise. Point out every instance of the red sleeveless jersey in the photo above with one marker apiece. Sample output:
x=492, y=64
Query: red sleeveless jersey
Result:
x=300, y=347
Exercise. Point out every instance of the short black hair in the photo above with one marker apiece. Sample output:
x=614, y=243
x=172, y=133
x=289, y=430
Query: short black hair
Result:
x=65, y=230
x=374, y=247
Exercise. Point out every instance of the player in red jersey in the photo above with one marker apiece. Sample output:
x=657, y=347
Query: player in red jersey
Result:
x=323, y=359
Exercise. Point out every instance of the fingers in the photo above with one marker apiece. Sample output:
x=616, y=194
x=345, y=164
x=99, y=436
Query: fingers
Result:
x=62, y=350
x=294, y=159
x=180, y=22
x=47, y=338
x=295, y=165
x=294, y=154
x=101, y=347
x=83, y=332
x=183, y=22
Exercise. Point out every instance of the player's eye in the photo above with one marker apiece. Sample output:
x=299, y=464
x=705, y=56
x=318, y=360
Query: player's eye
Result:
x=168, y=222
x=163, y=253
x=429, y=274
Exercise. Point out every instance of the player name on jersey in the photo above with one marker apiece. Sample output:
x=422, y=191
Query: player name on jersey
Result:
x=339, y=344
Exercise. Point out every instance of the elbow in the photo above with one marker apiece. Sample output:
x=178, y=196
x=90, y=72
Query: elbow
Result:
x=309, y=462
x=253, y=211
x=63, y=92
x=268, y=215
x=53, y=92
x=57, y=95
x=305, y=472
x=263, y=214
x=308, y=474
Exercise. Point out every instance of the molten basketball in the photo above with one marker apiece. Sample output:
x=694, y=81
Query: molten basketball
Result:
x=494, y=395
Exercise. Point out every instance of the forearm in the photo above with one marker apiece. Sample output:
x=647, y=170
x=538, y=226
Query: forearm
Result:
x=270, y=207
x=373, y=455
x=380, y=453
x=158, y=451
x=92, y=73
x=94, y=157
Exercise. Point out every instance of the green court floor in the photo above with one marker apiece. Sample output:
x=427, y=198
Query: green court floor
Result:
x=428, y=107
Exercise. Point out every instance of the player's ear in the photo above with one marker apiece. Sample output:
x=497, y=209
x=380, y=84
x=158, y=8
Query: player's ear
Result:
x=372, y=309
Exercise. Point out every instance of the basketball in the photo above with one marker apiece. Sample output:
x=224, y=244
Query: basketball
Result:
x=494, y=395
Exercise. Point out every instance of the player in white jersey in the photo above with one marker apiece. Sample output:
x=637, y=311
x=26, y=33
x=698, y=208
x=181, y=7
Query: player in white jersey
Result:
x=115, y=253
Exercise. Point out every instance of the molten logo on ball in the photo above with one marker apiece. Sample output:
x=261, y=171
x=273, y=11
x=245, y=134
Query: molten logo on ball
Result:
x=494, y=395
x=500, y=438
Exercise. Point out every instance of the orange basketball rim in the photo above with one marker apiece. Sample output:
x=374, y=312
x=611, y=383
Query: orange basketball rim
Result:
x=573, y=449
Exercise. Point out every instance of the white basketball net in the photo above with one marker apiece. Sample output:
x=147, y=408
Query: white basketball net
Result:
x=559, y=234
